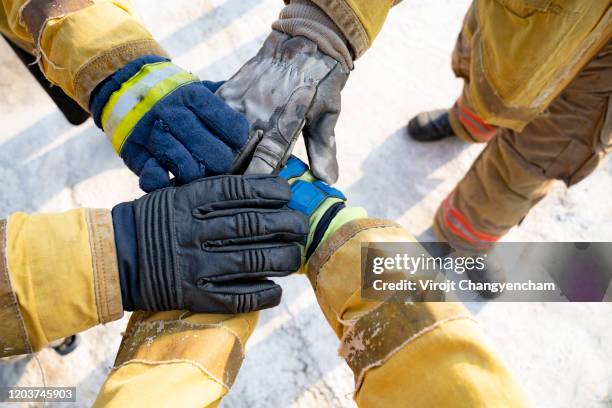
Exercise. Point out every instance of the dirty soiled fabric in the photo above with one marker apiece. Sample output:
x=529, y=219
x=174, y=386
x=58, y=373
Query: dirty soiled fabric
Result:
x=191, y=360
x=404, y=354
x=181, y=359
x=515, y=170
x=78, y=42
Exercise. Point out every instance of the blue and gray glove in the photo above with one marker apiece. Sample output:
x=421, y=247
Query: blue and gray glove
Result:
x=325, y=206
x=161, y=118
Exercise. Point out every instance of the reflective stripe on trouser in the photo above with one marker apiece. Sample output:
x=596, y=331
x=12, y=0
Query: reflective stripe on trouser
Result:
x=137, y=96
x=467, y=125
x=460, y=227
x=514, y=171
x=404, y=354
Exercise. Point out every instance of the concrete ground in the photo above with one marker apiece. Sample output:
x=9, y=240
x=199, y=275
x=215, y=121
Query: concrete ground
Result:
x=562, y=353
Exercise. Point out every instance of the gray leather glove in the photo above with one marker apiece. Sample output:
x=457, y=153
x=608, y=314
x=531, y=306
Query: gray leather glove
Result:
x=289, y=86
x=208, y=246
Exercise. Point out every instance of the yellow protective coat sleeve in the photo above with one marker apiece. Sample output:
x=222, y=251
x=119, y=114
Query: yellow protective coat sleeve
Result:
x=359, y=20
x=417, y=355
x=79, y=42
x=63, y=273
x=181, y=360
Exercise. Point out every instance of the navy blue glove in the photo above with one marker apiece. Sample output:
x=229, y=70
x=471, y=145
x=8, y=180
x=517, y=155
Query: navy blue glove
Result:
x=161, y=118
x=209, y=246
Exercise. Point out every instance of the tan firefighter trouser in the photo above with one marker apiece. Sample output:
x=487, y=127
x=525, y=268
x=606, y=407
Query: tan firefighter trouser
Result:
x=515, y=170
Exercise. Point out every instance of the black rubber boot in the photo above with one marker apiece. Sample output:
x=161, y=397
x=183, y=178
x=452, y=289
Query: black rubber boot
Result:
x=430, y=126
x=67, y=346
x=492, y=273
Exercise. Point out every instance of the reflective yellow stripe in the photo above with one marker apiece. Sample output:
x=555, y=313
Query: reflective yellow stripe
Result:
x=145, y=70
x=137, y=96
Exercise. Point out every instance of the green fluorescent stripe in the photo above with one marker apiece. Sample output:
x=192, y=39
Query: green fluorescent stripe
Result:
x=138, y=98
x=126, y=88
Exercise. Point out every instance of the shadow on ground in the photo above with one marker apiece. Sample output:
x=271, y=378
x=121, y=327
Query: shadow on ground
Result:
x=400, y=170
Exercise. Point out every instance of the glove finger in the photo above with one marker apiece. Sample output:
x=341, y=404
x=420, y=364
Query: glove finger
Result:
x=244, y=157
x=319, y=132
x=238, y=297
x=252, y=226
x=224, y=122
x=213, y=86
x=278, y=142
x=135, y=156
x=203, y=145
x=211, y=194
x=270, y=154
x=153, y=176
x=320, y=141
x=172, y=155
x=251, y=261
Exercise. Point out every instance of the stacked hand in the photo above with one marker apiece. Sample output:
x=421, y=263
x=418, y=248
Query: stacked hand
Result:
x=209, y=246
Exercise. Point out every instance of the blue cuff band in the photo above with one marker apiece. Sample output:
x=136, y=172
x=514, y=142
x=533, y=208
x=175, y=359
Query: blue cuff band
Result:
x=329, y=190
x=307, y=197
x=294, y=168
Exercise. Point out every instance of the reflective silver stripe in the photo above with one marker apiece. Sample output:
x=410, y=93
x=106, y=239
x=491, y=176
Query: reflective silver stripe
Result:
x=134, y=95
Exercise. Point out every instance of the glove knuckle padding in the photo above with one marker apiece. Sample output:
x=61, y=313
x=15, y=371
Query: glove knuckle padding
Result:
x=204, y=246
x=245, y=226
x=286, y=84
x=226, y=192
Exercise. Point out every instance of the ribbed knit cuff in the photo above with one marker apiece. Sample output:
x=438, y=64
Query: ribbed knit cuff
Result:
x=304, y=18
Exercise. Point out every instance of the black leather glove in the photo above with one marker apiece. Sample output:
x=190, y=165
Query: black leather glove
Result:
x=208, y=246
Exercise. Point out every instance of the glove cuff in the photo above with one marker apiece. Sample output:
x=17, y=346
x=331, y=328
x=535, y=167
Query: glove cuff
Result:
x=154, y=217
x=137, y=96
x=324, y=205
x=126, y=246
x=101, y=94
x=304, y=18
